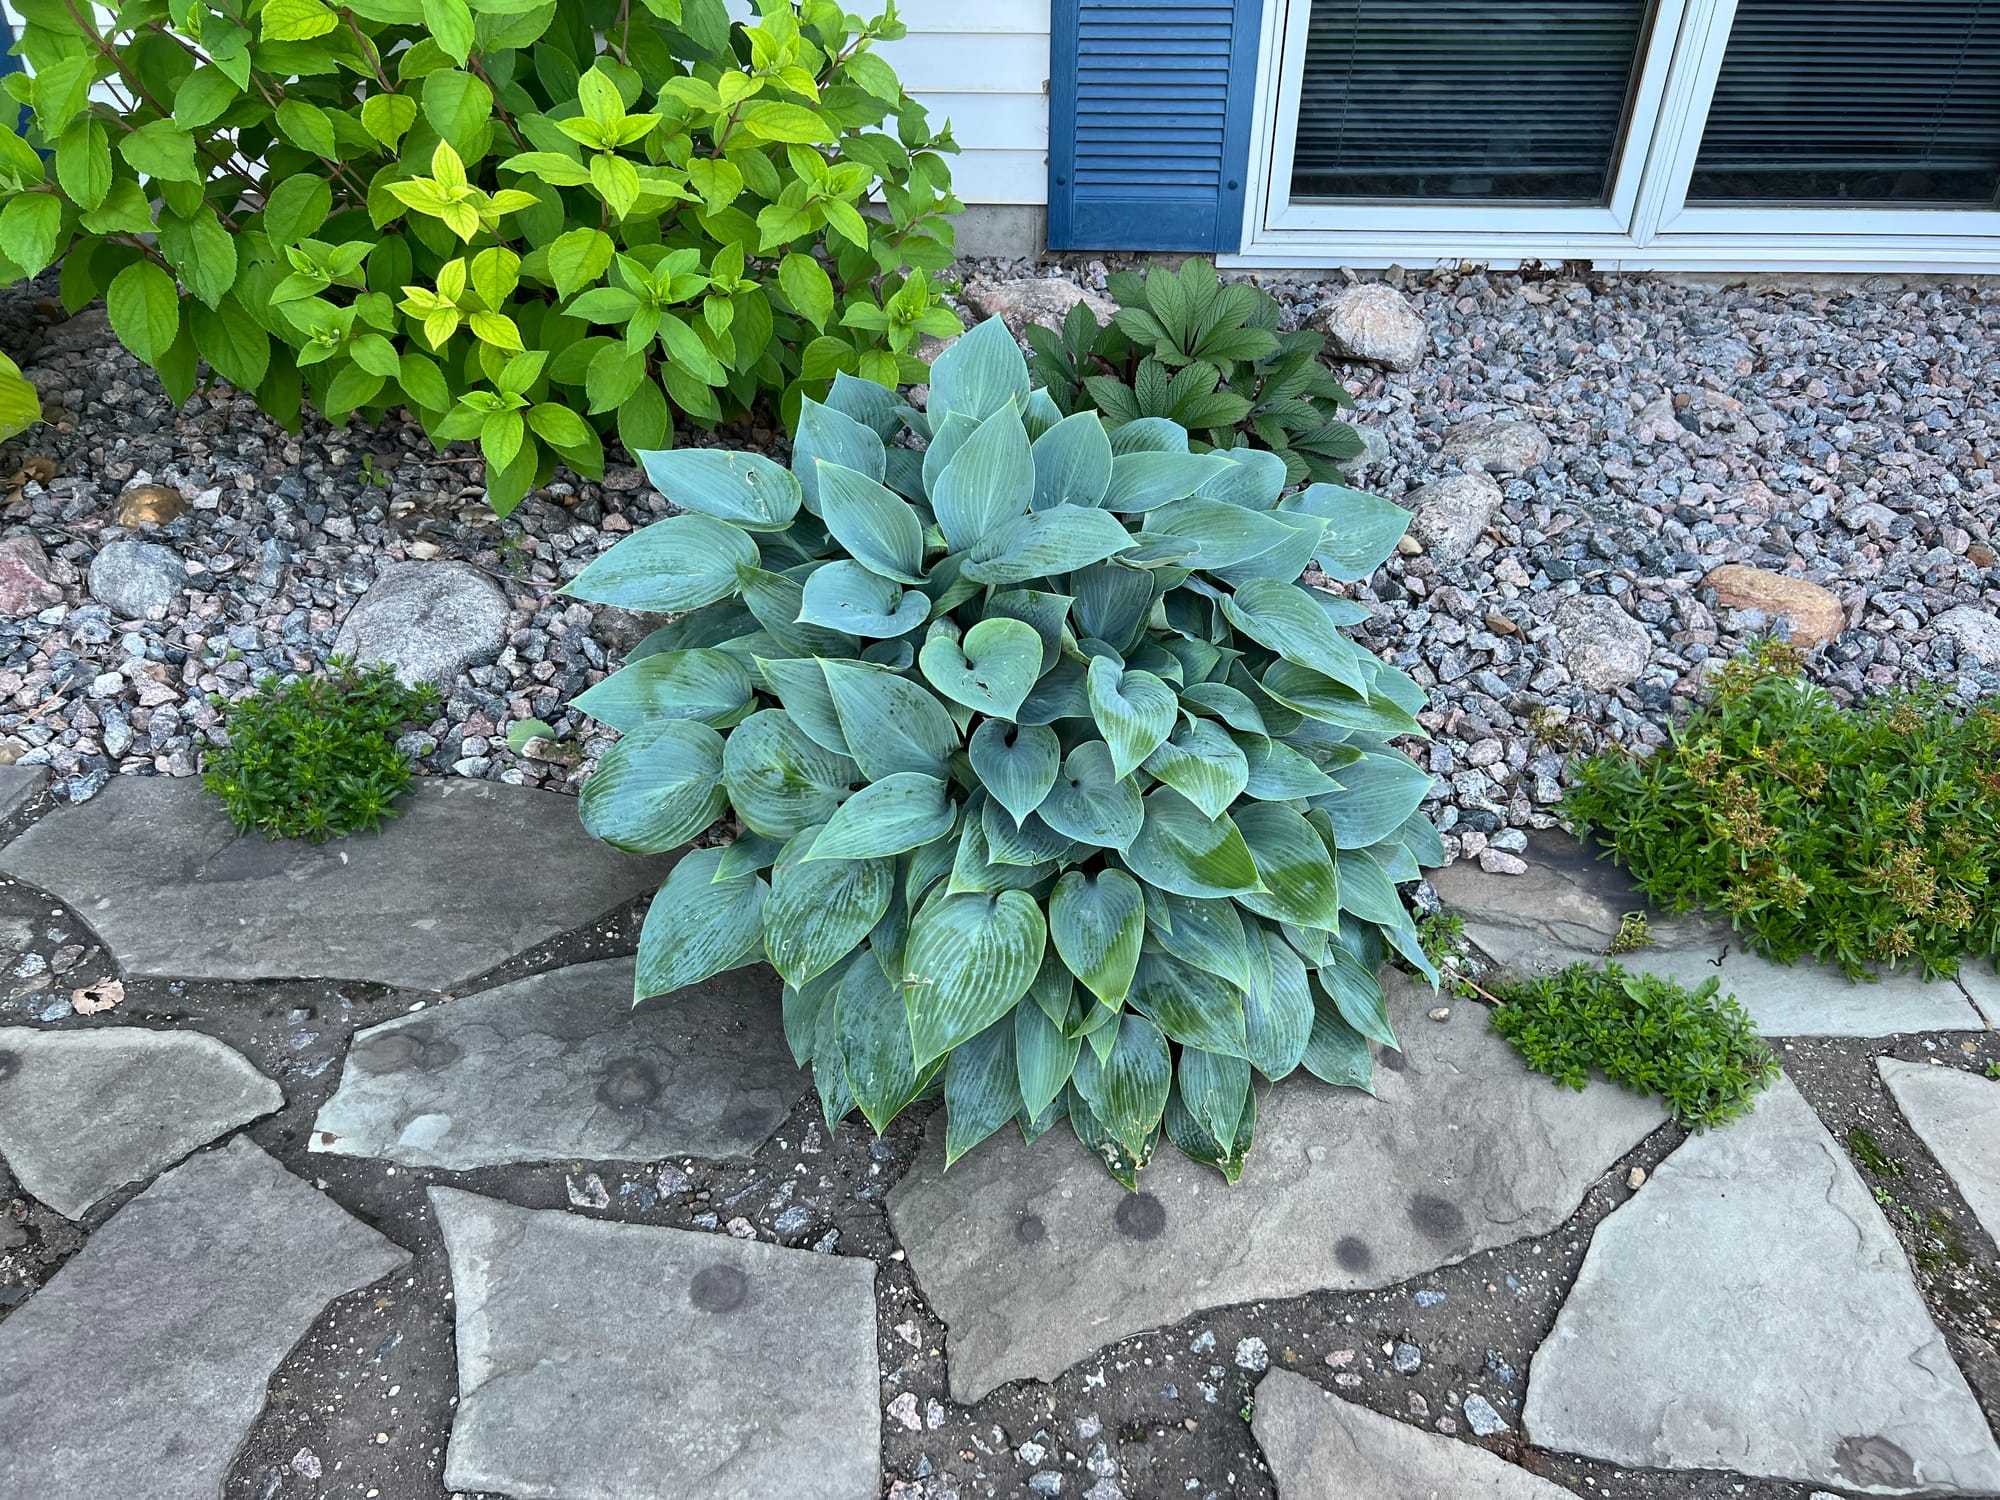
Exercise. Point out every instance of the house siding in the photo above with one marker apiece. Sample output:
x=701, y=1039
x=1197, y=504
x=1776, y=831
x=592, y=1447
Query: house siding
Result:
x=984, y=67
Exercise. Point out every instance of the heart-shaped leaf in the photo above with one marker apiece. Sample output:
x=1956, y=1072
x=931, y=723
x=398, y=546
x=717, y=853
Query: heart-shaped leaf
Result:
x=1091, y=803
x=706, y=685
x=673, y=566
x=745, y=489
x=1362, y=530
x=877, y=526
x=990, y=670
x=1181, y=849
x=779, y=779
x=971, y=957
x=890, y=723
x=656, y=788
x=1098, y=923
x=698, y=926
x=1134, y=710
x=1202, y=763
x=847, y=597
x=1072, y=462
x=892, y=816
x=1126, y=1090
x=819, y=910
x=1017, y=764
x=1301, y=885
x=1378, y=792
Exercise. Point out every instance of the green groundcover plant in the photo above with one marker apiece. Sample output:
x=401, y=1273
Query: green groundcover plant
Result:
x=536, y=225
x=1698, y=1050
x=1856, y=836
x=1049, y=787
x=315, y=758
x=1207, y=356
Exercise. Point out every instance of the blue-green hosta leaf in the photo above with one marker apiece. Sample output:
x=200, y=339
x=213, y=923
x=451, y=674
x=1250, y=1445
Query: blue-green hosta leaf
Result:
x=835, y=438
x=1283, y=561
x=875, y=1044
x=1134, y=711
x=1112, y=603
x=1231, y=705
x=990, y=670
x=974, y=868
x=1127, y=1090
x=1150, y=435
x=1181, y=849
x=1362, y=530
x=745, y=489
x=1203, y=764
x=819, y=910
x=697, y=630
x=1029, y=842
x=1045, y=543
x=845, y=596
x=799, y=1008
x=1278, y=773
x=890, y=723
x=1190, y=1005
x=925, y=868
x=1396, y=861
x=674, y=565
x=747, y=853
x=1039, y=413
x=989, y=482
x=1045, y=611
x=891, y=816
x=971, y=956
x=1223, y=535
x=889, y=936
x=868, y=403
x=1366, y=890
x=801, y=688
x=1054, y=990
x=1278, y=1008
x=1192, y=1139
x=1207, y=932
x=1379, y=791
x=1252, y=478
x=1420, y=836
x=698, y=926
x=656, y=788
x=1044, y=1058
x=1017, y=764
x=878, y=528
x=1072, y=462
x=1335, y=1051
x=1146, y=481
x=707, y=685
x=775, y=601
x=981, y=372
x=1091, y=803
x=1356, y=995
x=1301, y=885
x=1062, y=693
x=949, y=436
x=836, y=1100
x=1398, y=686
x=1307, y=692
x=1215, y=1088
x=1097, y=923
x=1289, y=621
x=982, y=1089
x=778, y=778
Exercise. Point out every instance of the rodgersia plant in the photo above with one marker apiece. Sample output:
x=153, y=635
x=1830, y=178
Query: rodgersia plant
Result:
x=1048, y=785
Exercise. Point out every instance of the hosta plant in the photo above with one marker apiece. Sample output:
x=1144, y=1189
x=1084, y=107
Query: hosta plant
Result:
x=1045, y=784
x=1207, y=356
x=538, y=226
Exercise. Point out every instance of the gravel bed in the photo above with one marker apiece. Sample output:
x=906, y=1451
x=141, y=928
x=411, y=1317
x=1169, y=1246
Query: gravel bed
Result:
x=1846, y=437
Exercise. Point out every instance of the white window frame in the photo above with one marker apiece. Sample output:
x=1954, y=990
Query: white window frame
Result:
x=1645, y=226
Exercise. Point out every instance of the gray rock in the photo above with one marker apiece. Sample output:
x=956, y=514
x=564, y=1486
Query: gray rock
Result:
x=1374, y=324
x=25, y=587
x=136, y=578
x=561, y=1066
x=469, y=876
x=1751, y=1310
x=1450, y=515
x=1033, y=1256
x=1958, y=1115
x=1602, y=645
x=428, y=620
x=1035, y=299
x=1497, y=446
x=82, y=1113
x=1320, y=1447
x=1977, y=633
x=18, y=786
x=1567, y=908
x=138, y=1370
x=598, y=1361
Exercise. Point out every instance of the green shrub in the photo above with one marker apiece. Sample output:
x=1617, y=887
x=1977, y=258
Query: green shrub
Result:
x=466, y=208
x=1699, y=1052
x=315, y=758
x=1048, y=784
x=1856, y=836
x=1208, y=357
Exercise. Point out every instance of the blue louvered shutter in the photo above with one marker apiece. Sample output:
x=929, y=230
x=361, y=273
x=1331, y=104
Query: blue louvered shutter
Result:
x=1149, y=122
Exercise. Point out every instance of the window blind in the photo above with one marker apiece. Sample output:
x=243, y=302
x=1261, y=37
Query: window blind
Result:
x=1513, y=100
x=1853, y=103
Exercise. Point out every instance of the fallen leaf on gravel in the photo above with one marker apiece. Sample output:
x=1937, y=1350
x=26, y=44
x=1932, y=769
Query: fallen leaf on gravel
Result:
x=97, y=997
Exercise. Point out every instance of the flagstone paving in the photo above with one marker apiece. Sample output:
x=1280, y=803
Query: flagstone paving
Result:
x=18, y=786
x=82, y=1113
x=561, y=1064
x=1320, y=1447
x=749, y=1374
x=1751, y=1310
x=470, y=875
x=1958, y=1116
x=136, y=1372
x=1034, y=1256
x=1567, y=909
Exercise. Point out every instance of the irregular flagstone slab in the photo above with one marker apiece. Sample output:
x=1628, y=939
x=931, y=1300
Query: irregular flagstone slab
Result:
x=1567, y=908
x=559, y=1065
x=1320, y=1447
x=82, y=1113
x=601, y=1361
x=18, y=785
x=1750, y=1309
x=1033, y=1256
x=470, y=875
x=138, y=1370
x=1958, y=1115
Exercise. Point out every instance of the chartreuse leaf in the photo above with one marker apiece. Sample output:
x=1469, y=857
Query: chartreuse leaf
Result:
x=656, y=788
x=1091, y=803
x=698, y=925
x=1016, y=764
x=1072, y=462
x=706, y=685
x=744, y=489
x=1300, y=883
x=144, y=307
x=875, y=1044
x=971, y=956
x=1097, y=923
x=991, y=669
x=677, y=564
x=1203, y=764
x=979, y=374
x=819, y=910
x=890, y=723
x=1127, y=1089
x=779, y=779
x=1134, y=710
x=876, y=526
x=1181, y=849
x=891, y=816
